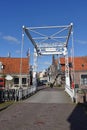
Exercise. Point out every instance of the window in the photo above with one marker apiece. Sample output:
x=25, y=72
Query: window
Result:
x=23, y=80
x=16, y=80
x=84, y=79
x=1, y=80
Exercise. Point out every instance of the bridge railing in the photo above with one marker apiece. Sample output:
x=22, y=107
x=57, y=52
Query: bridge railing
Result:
x=16, y=94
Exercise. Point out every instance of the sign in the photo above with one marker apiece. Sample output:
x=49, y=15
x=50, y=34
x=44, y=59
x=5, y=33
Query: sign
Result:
x=9, y=77
x=50, y=49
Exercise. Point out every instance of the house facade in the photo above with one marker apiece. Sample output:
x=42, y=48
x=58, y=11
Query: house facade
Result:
x=78, y=69
x=15, y=72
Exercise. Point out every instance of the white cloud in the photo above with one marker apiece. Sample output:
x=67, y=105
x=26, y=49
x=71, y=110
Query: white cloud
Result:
x=81, y=41
x=11, y=39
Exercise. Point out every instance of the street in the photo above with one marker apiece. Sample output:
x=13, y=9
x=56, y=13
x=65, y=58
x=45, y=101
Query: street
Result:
x=48, y=109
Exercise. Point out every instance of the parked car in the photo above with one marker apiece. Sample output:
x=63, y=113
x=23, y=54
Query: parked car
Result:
x=42, y=82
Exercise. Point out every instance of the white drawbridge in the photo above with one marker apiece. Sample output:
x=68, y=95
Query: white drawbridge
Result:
x=51, y=40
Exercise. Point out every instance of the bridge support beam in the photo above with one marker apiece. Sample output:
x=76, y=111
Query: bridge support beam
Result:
x=68, y=87
x=35, y=70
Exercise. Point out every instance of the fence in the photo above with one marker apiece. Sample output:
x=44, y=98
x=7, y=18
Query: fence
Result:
x=16, y=94
x=81, y=96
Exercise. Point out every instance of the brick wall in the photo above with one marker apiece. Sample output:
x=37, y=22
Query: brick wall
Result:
x=78, y=78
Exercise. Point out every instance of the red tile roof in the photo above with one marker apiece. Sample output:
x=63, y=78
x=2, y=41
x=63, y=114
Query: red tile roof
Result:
x=12, y=65
x=80, y=63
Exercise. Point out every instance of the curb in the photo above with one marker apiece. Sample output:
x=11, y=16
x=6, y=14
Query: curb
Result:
x=3, y=108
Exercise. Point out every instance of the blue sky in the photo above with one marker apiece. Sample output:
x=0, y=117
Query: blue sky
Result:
x=16, y=13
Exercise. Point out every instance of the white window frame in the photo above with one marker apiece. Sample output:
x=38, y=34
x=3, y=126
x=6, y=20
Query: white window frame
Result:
x=18, y=80
x=22, y=80
x=83, y=80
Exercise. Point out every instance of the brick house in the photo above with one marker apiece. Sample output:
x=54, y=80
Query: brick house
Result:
x=80, y=69
x=11, y=67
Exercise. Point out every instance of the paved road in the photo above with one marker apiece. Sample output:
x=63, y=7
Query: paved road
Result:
x=44, y=111
x=50, y=95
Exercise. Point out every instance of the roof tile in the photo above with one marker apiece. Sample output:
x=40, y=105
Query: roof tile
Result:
x=12, y=65
x=80, y=63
